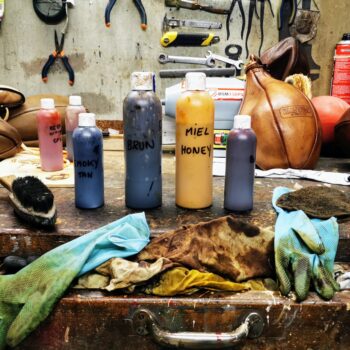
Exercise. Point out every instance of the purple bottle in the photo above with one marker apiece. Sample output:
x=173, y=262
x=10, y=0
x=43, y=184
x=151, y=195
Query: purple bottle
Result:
x=240, y=165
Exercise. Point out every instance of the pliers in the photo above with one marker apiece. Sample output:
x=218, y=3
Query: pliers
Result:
x=51, y=60
x=281, y=4
x=233, y=3
x=139, y=6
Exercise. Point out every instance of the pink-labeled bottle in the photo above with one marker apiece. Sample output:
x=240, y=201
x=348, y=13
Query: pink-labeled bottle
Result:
x=50, y=136
x=72, y=118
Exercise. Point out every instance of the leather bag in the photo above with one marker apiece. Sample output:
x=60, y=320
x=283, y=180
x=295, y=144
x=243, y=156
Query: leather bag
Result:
x=285, y=122
x=342, y=135
x=285, y=58
x=24, y=117
x=9, y=98
x=10, y=140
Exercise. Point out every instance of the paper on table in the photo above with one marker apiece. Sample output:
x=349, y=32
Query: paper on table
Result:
x=321, y=176
x=27, y=163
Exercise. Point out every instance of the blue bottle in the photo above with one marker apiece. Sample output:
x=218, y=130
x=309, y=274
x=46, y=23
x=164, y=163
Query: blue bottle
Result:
x=240, y=165
x=88, y=163
x=142, y=116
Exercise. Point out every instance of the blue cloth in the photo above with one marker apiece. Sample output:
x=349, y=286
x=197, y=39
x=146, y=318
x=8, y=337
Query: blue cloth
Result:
x=120, y=239
x=305, y=250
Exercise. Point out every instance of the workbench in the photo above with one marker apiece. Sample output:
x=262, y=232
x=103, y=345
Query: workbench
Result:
x=101, y=320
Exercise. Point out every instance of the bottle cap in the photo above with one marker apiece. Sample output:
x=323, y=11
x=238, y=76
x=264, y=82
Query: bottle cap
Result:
x=47, y=103
x=346, y=36
x=142, y=81
x=87, y=119
x=242, y=122
x=195, y=81
x=75, y=100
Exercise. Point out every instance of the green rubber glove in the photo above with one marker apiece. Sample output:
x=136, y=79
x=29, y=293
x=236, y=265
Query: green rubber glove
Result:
x=27, y=297
x=305, y=250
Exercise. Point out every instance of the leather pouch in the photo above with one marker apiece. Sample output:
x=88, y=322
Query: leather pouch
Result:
x=285, y=58
x=342, y=134
x=24, y=117
x=284, y=120
x=10, y=140
x=9, y=98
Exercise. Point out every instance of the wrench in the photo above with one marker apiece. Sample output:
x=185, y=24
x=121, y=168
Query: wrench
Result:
x=206, y=61
x=214, y=57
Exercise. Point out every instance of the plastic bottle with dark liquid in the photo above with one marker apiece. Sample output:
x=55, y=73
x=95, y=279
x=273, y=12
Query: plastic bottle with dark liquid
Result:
x=88, y=163
x=240, y=165
x=73, y=110
x=142, y=117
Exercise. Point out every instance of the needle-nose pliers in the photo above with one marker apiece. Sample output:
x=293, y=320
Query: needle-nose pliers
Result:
x=139, y=6
x=51, y=60
x=233, y=3
x=280, y=6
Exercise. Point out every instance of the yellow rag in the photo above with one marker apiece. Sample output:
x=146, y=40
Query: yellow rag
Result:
x=184, y=281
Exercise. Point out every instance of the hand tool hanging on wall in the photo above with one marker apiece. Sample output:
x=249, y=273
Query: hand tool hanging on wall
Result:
x=252, y=10
x=50, y=11
x=261, y=17
x=174, y=23
x=209, y=60
x=280, y=12
x=58, y=53
x=185, y=39
x=221, y=7
x=229, y=17
x=234, y=55
x=140, y=9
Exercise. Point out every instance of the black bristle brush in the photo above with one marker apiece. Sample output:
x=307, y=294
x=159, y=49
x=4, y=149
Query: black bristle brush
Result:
x=31, y=199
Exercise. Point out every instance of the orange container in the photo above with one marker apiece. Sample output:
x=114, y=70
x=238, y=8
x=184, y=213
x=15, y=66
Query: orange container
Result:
x=194, y=145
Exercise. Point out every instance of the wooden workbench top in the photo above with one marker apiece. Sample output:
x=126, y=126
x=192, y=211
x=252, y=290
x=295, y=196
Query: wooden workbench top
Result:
x=20, y=239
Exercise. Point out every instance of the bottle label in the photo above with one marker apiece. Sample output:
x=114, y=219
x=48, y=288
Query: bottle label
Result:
x=55, y=133
x=341, y=73
x=195, y=140
x=86, y=168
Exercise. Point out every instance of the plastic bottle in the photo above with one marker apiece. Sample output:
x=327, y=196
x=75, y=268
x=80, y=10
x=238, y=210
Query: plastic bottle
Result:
x=240, y=165
x=88, y=163
x=340, y=86
x=72, y=119
x=142, y=115
x=194, y=144
x=50, y=136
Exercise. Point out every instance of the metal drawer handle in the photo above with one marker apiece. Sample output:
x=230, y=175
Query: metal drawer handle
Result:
x=251, y=327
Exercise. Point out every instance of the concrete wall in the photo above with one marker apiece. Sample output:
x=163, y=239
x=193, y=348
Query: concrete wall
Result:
x=104, y=58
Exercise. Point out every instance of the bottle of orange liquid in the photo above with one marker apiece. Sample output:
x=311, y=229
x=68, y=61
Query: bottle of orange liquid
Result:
x=194, y=144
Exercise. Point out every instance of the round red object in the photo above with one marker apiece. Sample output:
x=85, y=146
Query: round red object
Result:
x=329, y=109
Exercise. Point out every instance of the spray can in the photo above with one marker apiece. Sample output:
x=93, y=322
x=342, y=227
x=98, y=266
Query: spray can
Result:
x=88, y=163
x=50, y=136
x=341, y=73
x=240, y=165
x=73, y=110
x=142, y=116
x=194, y=144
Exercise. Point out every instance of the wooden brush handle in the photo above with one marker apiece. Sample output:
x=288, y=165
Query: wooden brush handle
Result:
x=7, y=181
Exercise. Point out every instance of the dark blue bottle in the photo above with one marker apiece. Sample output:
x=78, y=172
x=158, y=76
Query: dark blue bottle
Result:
x=88, y=163
x=240, y=165
x=142, y=116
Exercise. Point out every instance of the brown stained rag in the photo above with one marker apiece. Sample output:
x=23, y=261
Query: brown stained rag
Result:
x=117, y=273
x=224, y=246
x=317, y=201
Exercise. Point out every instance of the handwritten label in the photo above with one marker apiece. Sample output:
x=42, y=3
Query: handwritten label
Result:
x=55, y=133
x=140, y=145
x=84, y=173
x=200, y=149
